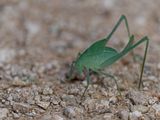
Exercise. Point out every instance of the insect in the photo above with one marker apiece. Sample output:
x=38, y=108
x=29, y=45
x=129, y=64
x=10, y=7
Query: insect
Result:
x=99, y=55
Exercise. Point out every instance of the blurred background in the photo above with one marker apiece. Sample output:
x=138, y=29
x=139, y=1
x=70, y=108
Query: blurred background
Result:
x=41, y=30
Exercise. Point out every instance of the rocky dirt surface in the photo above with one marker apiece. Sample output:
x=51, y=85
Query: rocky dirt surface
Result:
x=39, y=39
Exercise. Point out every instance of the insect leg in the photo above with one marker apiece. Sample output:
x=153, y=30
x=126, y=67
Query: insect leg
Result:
x=144, y=39
x=112, y=77
x=123, y=17
x=88, y=82
x=125, y=51
x=144, y=59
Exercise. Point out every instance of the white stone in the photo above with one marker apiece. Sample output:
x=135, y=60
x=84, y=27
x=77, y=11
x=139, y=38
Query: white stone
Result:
x=124, y=115
x=108, y=116
x=109, y=4
x=6, y=55
x=156, y=107
x=3, y=113
x=57, y=117
x=135, y=115
x=138, y=97
x=153, y=78
x=32, y=27
x=15, y=115
x=152, y=100
x=141, y=20
x=47, y=91
x=89, y=104
x=70, y=112
x=141, y=108
x=113, y=100
x=43, y=105
x=101, y=106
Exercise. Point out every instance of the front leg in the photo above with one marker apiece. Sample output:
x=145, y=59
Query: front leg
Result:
x=88, y=81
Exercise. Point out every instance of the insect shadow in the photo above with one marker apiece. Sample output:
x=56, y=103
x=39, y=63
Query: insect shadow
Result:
x=99, y=56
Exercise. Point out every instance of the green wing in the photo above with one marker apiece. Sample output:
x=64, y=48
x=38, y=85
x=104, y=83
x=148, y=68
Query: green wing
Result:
x=93, y=60
x=95, y=47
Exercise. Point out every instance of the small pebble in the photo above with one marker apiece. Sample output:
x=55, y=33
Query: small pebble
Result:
x=153, y=100
x=146, y=117
x=135, y=115
x=124, y=114
x=70, y=112
x=45, y=98
x=6, y=55
x=102, y=107
x=156, y=107
x=108, y=116
x=137, y=97
x=89, y=104
x=113, y=100
x=57, y=117
x=22, y=108
x=63, y=104
x=141, y=108
x=47, y=116
x=47, y=91
x=15, y=115
x=104, y=92
x=153, y=78
x=55, y=100
x=43, y=105
x=18, y=82
x=3, y=113
x=73, y=91
x=109, y=4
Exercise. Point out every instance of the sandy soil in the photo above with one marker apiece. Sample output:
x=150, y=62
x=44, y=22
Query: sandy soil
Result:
x=39, y=39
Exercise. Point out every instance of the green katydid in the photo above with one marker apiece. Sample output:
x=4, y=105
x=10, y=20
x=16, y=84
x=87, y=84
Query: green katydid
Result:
x=99, y=56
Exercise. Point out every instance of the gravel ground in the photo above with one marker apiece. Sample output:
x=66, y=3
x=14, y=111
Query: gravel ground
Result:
x=40, y=38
